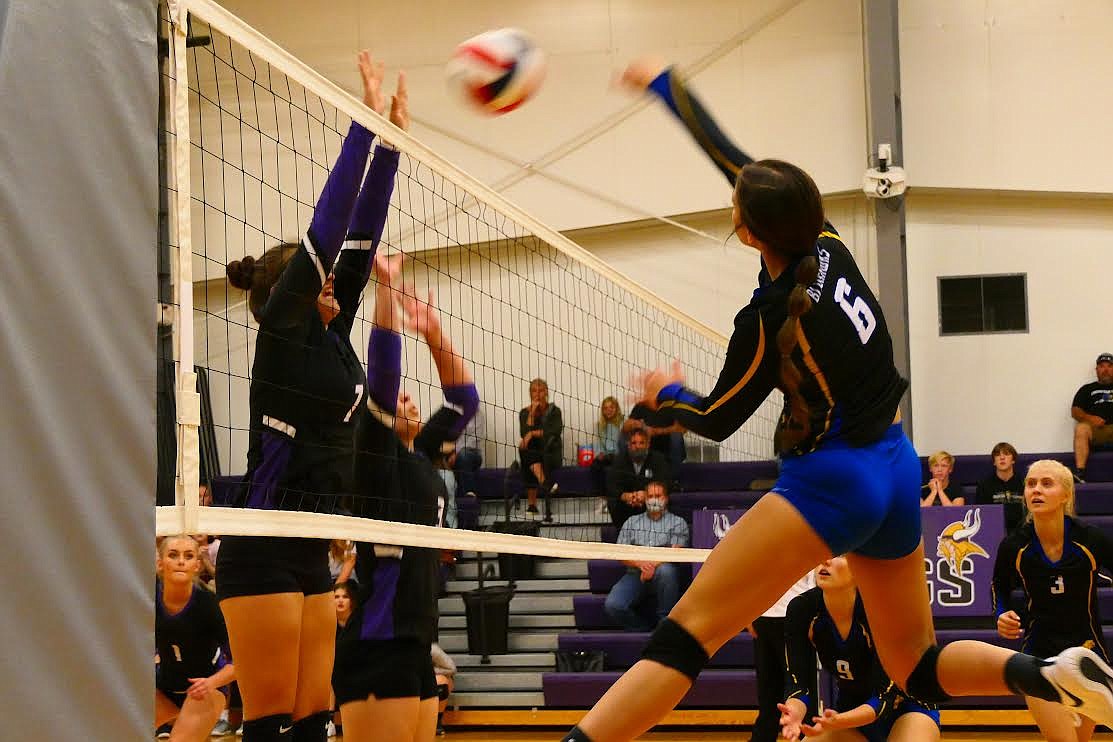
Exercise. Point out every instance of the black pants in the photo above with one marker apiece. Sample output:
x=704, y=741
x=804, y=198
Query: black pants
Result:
x=769, y=660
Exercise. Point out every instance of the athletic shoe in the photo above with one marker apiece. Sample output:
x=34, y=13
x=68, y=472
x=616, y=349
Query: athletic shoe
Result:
x=163, y=732
x=1085, y=683
x=239, y=732
x=330, y=730
x=532, y=510
x=221, y=729
x=1079, y=475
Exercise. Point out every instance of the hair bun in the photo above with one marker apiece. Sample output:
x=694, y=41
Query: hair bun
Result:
x=241, y=272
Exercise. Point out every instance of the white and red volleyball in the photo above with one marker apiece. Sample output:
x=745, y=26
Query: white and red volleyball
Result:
x=497, y=71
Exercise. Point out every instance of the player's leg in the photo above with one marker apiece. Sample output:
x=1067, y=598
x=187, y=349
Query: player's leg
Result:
x=165, y=709
x=1083, y=433
x=732, y=588
x=914, y=727
x=426, y=720
x=316, y=651
x=381, y=719
x=1056, y=723
x=198, y=717
x=264, y=633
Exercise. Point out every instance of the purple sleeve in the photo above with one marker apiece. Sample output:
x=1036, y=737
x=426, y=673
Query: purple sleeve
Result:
x=369, y=216
x=384, y=368
x=465, y=400
x=334, y=207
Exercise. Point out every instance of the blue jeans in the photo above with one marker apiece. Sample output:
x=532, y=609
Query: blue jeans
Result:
x=628, y=592
x=468, y=461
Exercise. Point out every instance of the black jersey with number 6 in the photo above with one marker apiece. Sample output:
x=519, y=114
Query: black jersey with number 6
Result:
x=1061, y=609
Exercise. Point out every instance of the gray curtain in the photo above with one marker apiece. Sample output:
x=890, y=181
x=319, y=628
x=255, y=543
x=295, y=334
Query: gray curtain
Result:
x=78, y=232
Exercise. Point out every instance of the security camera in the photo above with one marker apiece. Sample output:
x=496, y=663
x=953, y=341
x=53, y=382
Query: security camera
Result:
x=885, y=180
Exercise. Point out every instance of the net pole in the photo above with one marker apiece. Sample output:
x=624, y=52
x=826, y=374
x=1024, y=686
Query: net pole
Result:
x=270, y=52
x=188, y=402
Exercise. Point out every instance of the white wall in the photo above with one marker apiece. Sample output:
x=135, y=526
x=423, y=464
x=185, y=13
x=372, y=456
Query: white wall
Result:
x=968, y=392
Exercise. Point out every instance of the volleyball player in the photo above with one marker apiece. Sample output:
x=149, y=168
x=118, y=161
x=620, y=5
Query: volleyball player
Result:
x=829, y=621
x=383, y=679
x=1055, y=558
x=193, y=669
x=849, y=480
x=307, y=383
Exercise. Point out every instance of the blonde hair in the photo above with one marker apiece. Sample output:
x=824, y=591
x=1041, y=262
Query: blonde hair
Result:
x=1059, y=473
x=162, y=541
x=603, y=421
x=940, y=456
x=340, y=549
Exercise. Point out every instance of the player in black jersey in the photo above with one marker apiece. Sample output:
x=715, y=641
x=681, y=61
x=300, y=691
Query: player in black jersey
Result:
x=1055, y=558
x=307, y=383
x=830, y=622
x=849, y=480
x=383, y=679
x=194, y=667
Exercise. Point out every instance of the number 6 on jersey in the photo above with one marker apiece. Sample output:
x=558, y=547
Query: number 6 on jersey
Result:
x=860, y=314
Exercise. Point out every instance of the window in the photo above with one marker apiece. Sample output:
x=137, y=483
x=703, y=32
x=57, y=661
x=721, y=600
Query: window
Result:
x=982, y=304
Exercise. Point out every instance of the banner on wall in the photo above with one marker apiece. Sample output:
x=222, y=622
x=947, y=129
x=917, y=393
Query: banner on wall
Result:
x=960, y=546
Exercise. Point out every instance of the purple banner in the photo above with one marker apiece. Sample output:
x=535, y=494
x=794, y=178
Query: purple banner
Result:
x=960, y=546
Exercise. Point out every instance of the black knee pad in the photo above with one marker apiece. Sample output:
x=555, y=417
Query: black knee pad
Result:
x=576, y=735
x=923, y=683
x=442, y=692
x=311, y=728
x=674, y=647
x=274, y=728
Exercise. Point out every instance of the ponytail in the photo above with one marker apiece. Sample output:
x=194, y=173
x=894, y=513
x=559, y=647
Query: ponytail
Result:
x=798, y=423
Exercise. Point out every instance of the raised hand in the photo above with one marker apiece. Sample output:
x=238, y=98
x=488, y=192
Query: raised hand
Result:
x=648, y=384
x=640, y=72
x=388, y=270
x=421, y=314
x=372, y=74
x=400, y=104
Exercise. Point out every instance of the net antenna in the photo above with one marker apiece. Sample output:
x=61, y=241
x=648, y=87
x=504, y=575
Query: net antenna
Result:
x=522, y=299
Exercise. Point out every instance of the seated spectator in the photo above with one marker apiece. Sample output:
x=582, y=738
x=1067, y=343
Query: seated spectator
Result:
x=469, y=453
x=666, y=439
x=939, y=490
x=1004, y=487
x=1092, y=410
x=341, y=560
x=628, y=476
x=655, y=527
x=608, y=442
x=344, y=595
x=445, y=670
x=541, y=446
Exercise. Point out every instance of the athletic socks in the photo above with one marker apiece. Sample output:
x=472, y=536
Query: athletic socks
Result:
x=1024, y=676
x=576, y=735
x=275, y=728
x=311, y=728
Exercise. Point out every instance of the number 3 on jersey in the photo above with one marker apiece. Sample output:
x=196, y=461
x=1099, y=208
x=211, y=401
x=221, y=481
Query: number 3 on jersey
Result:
x=860, y=314
x=1058, y=588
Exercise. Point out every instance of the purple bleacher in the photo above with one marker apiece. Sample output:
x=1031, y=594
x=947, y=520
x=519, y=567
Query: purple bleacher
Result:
x=602, y=574
x=969, y=469
x=624, y=648
x=589, y=613
x=573, y=480
x=726, y=475
x=1094, y=498
x=713, y=688
x=686, y=503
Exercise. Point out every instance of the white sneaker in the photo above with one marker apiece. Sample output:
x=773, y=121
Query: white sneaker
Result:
x=1085, y=682
x=221, y=729
x=239, y=732
x=330, y=730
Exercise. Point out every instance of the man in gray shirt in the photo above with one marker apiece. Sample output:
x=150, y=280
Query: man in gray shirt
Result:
x=664, y=580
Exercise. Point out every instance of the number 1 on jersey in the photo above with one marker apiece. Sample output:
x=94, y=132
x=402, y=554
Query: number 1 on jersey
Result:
x=860, y=314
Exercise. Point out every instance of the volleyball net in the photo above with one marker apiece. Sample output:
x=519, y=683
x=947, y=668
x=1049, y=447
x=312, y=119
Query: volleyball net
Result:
x=253, y=134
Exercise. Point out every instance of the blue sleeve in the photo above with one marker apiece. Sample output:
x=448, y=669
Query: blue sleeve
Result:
x=670, y=88
x=747, y=378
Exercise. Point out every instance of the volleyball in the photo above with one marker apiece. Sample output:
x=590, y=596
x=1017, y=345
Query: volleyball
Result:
x=497, y=71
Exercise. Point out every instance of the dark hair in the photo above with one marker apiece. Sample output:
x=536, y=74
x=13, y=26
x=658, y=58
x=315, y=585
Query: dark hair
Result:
x=347, y=586
x=258, y=277
x=781, y=206
x=639, y=430
x=1004, y=447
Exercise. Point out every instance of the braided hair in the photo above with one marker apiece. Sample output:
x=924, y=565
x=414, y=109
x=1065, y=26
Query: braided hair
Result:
x=781, y=206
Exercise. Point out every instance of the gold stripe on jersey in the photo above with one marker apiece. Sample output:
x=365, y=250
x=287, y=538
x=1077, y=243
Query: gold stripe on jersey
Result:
x=1094, y=630
x=684, y=106
x=832, y=235
x=821, y=379
x=759, y=356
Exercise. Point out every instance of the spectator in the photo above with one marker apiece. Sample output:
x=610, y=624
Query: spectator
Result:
x=1004, y=487
x=939, y=490
x=345, y=596
x=628, y=476
x=469, y=453
x=655, y=527
x=541, y=445
x=608, y=442
x=1092, y=410
x=665, y=439
x=341, y=560
x=445, y=670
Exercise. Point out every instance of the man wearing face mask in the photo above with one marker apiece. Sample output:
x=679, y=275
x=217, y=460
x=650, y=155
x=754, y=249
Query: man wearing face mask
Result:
x=628, y=476
x=655, y=527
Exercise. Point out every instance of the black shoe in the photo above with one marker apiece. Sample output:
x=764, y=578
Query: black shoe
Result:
x=1079, y=473
x=532, y=509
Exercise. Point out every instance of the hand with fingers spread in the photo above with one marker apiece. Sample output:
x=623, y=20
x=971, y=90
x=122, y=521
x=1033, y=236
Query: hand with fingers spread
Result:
x=648, y=384
x=640, y=72
x=792, y=717
x=421, y=314
x=372, y=74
